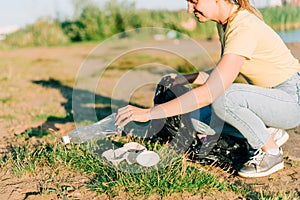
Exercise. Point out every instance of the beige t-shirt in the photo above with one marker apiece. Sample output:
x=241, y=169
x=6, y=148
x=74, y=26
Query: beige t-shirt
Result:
x=268, y=61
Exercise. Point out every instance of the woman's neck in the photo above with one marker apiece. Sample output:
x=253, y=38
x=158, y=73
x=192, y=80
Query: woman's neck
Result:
x=226, y=9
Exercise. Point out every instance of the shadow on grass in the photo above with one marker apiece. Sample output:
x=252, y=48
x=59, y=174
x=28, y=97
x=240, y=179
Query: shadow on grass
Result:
x=91, y=164
x=80, y=106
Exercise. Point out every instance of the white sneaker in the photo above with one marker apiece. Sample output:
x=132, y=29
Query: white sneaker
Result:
x=280, y=136
x=262, y=164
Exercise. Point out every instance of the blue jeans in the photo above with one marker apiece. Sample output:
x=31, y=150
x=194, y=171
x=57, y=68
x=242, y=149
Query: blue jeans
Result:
x=251, y=109
x=207, y=117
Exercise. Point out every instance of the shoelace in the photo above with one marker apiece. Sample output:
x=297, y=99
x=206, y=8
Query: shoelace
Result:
x=257, y=158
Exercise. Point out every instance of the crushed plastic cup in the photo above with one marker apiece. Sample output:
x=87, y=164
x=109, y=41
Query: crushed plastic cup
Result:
x=102, y=129
x=132, y=152
x=133, y=146
x=115, y=156
x=147, y=158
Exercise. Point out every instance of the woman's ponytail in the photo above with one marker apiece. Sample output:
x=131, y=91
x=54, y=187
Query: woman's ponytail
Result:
x=245, y=5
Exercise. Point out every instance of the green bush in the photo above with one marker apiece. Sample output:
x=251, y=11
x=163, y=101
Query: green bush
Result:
x=42, y=33
x=282, y=18
x=94, y=24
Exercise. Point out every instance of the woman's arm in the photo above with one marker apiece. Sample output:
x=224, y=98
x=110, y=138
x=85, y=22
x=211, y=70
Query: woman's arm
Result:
x=198, y=78
x=202, y=77
x=219, y=80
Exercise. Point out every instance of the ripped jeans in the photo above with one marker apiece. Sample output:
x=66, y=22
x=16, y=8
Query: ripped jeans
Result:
x=251, y=109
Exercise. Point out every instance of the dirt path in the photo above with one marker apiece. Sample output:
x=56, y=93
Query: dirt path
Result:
x=36, y=93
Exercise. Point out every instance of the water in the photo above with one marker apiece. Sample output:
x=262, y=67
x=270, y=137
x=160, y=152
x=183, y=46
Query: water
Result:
x=290, y=36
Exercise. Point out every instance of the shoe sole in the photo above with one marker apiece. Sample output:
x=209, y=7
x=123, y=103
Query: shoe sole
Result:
x=262, y=174
x=283, y=139
x=202, y=128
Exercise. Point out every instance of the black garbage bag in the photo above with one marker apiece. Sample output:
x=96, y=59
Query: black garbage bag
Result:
x=176, y=130
x=179, y=132
x=222, y=149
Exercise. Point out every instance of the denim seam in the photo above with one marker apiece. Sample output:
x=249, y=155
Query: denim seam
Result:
x=253, y=92
x=298, y=93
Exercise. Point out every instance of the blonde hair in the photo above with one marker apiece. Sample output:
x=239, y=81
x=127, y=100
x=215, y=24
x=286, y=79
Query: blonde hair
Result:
x=245, y=5
x=242, y=5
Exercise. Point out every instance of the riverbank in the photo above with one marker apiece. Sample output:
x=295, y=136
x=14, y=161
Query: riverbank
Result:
x=36, y=102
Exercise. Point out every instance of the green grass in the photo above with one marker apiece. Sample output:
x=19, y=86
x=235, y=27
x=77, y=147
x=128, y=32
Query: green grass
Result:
x=5, y=78
x=5, y=100
x=173, y=174
x=34, y=133
x=40, y=117
x=23, y=161
x=8, y=117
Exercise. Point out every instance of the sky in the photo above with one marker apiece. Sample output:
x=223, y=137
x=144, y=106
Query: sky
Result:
x=24, y=12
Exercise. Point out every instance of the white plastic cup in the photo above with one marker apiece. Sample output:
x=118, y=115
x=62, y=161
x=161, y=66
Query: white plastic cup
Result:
x=147, y=158
x=66, y=139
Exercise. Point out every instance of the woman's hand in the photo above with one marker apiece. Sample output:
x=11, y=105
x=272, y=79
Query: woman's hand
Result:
x=131, y=113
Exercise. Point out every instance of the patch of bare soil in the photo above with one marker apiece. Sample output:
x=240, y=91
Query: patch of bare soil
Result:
x=37, y=86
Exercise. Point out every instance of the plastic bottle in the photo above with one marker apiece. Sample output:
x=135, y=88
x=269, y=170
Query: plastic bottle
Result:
x=103, y=128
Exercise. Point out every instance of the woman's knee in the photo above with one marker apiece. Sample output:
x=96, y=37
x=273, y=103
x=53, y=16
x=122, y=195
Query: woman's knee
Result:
x=229, y=99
